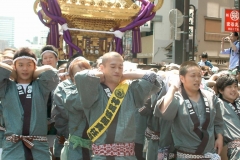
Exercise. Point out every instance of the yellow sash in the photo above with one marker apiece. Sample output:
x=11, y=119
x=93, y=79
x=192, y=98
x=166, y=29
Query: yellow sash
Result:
x=113, y=105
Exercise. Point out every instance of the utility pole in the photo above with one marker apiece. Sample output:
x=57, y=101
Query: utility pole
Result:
x=186, y=31
x=181, y=45
x=178, y=43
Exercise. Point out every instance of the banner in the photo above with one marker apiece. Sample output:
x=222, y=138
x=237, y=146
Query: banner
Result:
x=231, y=20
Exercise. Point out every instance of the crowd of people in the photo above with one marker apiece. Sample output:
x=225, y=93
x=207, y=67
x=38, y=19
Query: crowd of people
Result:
x=112, y=110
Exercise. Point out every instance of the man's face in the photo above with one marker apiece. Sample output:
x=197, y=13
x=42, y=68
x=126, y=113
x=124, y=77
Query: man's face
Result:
x=192, y=79
x=49, y=58
x=25, y=69
x=232, y=37
x=230, y=92
x=113, y=69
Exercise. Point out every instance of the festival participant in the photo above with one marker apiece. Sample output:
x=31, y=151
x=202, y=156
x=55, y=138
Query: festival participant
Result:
x=59, y=113
x=227, y=87
x=110, y=103
x=141, y=125
x=7, y=56
x=49, y=55
x=79, y=143
x=197, y=126
x=160, y=144
x=24, y=106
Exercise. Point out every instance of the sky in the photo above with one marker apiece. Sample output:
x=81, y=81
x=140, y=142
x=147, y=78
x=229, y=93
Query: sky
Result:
x=27, y=23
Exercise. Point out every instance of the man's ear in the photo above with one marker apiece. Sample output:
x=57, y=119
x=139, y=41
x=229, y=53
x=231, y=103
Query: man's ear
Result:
x=220, y=91
x=35, y=67
x=101, y=67
x=181, y=78
x=14, y=67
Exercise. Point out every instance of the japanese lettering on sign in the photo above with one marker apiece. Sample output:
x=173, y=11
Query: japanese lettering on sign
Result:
x=231, y=20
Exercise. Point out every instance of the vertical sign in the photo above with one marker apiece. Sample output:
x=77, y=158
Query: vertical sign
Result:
x=231, y=22
x=236, y=4
x=191, y=22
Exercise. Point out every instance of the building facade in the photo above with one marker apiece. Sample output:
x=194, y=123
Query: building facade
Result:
x=7, y=30
x=207, y=38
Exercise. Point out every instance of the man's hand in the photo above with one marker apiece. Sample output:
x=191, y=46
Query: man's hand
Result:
x=227, y=39
x=100, y=75
x=13, y=75
x=219, y=144
x=223, y=39
x=131, y=75
x=41, y=69
x=174, y=80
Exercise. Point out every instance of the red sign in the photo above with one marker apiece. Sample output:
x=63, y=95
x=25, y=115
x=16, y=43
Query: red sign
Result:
x=231, y=20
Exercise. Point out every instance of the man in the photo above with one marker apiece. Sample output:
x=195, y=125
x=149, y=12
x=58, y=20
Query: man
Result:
x=110, y=104
x=227, y=87
x=196, y=114
x=7, y=57
x=24, y=106
x=59, y=114
x=49, y=56
x=66, y=95
x=233, y=51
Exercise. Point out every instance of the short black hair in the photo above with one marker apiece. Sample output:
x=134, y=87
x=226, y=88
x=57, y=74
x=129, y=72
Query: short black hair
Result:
x=225, y=80
x=72, y=58
x=235, y=34
x=51, y=48
x=204, y=55
x=25, y=51
x=185, y=65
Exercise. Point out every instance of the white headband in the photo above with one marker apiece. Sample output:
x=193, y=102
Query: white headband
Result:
x=50, y=52
x=25, y=57
x=78, y=58
x=63, y=74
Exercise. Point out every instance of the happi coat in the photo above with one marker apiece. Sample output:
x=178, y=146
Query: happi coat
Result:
x=60, y=116
x=185, y=139
x=13, y=114
x=94, y=100
x=77, y=122
x=232, y=126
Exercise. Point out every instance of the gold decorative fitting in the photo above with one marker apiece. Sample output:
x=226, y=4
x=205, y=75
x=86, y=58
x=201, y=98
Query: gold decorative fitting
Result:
x=101, y=3
x=92, y=3
x=73, y=1
x=118, y=5
x=82, y=2
x=109, y=4
x=134, y=6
